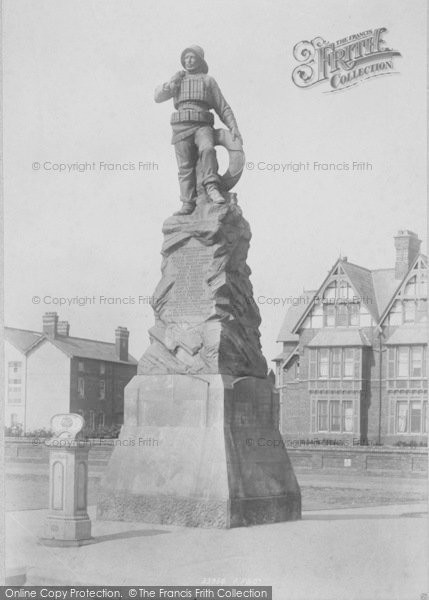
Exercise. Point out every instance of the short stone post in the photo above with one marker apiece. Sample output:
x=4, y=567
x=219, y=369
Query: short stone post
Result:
x=67, y=523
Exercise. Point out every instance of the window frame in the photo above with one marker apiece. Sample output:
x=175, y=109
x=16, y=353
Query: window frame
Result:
x=408, y=361
x=335, y=408
x=329, y=314
x=406, y=317
x=343, y=415
x=325, y=363
x=412, y=417
x=81, y=387
x=423, y=416
x=338, y=363
x=405, y=351
x=413, y=350
x=325, y=415
x=352, y=363
x=334, y=415
x=349, y=362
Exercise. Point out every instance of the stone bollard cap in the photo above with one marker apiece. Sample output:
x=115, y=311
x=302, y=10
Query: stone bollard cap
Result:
x=66, y=426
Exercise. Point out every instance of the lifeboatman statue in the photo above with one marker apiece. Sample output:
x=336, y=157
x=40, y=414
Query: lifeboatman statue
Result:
x=195, y=94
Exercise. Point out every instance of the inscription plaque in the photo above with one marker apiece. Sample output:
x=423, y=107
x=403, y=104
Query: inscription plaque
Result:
x=190, y=294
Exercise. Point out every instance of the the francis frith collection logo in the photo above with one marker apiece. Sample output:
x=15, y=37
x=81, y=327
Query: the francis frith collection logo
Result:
x=343, y=63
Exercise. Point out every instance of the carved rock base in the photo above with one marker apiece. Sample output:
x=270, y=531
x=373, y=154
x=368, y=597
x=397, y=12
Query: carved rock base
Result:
x=202, y=451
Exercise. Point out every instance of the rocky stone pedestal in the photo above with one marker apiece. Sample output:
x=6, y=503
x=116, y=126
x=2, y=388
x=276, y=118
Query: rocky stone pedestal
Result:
x=200, y=445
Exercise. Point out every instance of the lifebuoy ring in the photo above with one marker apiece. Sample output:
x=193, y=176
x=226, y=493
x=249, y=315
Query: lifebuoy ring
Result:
x=236, y=158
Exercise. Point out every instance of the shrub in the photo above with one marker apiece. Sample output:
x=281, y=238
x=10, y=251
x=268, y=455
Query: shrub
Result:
x=14, y=431
x=100, y=432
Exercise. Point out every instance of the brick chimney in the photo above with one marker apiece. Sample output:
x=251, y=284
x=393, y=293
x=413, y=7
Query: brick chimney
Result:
x=407, y=246
x=121, y=342
x=63, y=328
x=50, y=321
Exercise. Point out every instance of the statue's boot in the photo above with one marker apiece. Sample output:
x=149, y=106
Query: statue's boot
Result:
x=214, y=194
x=187, y=209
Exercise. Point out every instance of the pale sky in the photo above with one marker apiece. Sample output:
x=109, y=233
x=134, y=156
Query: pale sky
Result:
x=79, y=82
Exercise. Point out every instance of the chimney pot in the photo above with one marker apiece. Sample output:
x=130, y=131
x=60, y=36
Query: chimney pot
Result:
x=121, y=343
x=63, y=328
x=50, y=321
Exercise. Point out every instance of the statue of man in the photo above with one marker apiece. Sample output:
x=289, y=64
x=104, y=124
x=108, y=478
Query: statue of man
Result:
x=194, y=94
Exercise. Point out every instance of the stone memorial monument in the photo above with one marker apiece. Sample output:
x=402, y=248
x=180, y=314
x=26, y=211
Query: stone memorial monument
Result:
x=200, y=444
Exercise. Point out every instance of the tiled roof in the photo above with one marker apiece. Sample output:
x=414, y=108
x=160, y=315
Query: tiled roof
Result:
x=385, y=285
x=407, y=335
x=22, y=339
x=361, y=280
x=339, y=337
x=83, y=348
x=285, y=356
x=293, y=314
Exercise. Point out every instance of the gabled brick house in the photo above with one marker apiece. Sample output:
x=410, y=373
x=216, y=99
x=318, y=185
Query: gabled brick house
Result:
x=52, y=372
x=353, y=363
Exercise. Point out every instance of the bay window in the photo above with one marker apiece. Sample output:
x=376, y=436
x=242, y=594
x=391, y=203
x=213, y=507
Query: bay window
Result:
x=335, y=363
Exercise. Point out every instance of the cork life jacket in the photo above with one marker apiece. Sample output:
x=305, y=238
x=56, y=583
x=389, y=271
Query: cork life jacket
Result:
x=192, y=101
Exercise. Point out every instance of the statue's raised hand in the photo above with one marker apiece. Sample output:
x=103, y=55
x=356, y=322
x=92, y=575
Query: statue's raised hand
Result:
x=176, y=79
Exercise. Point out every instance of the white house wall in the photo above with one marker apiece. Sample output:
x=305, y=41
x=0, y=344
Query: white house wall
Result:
x=48, y=385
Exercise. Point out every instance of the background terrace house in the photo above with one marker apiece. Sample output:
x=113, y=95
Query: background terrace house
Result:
x=353, y=363
x=51, y=372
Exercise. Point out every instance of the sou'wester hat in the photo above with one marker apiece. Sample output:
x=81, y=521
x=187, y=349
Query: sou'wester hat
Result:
x=199, y=52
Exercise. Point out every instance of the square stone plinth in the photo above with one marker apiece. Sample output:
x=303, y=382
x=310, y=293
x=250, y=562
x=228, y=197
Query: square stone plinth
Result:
x=200, y=451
